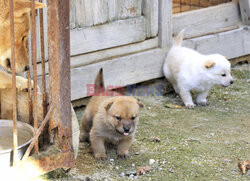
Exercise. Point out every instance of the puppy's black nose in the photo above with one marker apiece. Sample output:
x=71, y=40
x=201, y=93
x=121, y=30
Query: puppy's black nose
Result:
x=126, y=129
x=26, y=68
x=8, y=64
x=231, y=82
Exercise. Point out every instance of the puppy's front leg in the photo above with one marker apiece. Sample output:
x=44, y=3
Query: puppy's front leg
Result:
x=187, y=98
x=123, y=147
x=201, y=98
x=98, y=147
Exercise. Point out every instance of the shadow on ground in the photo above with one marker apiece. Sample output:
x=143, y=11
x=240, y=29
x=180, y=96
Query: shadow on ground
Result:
x=201, y=144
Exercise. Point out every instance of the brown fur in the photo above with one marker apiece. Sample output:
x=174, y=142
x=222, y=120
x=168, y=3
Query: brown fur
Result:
x=22, y=9
x=105, y=120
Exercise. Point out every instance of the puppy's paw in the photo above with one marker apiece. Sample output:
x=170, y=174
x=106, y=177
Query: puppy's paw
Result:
x=101, y=157
x=203, y=103
x=124, y=156
x=21, y=84
x=190, y=106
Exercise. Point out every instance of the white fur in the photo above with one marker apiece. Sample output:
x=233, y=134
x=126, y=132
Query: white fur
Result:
x=188, y=70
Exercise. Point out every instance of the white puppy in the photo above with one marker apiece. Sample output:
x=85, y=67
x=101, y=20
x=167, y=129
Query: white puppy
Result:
x=187, y=70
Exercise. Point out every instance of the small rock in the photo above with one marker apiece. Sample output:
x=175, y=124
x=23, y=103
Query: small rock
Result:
x=212, y=134
x=137, y=153
x=122, y=174
x=131, y=176
x=151, y=161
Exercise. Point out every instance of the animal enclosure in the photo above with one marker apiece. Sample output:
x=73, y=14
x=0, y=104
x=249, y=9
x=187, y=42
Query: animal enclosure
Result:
x=49, y=112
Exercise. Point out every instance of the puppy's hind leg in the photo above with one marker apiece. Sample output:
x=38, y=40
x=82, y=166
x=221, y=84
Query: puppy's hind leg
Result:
x=123, y=147
x=86, y=127
x=187, y=98
x=201, y=98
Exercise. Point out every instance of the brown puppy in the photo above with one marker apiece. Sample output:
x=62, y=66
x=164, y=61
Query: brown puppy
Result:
x=22, y=10
x=110, y=119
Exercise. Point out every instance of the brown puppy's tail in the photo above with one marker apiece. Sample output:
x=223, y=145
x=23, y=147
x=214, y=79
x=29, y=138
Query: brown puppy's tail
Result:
x=99, y=83
x=179, y=38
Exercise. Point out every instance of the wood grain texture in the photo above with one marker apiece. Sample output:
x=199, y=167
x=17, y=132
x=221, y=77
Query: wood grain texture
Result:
x=208, y=20
x=85, y=13
x=150, y=11
x=108, y=35
x=118, y=72
x=165, y=23
x=232, y=44
x=245, y=11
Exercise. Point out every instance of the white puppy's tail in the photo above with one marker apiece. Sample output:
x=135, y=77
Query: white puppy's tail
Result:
x=179, y=38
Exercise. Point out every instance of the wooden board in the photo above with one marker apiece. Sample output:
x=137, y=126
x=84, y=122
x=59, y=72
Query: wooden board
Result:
x=208, y=20
x=165, y=23
x=245, y=11
x=232, y=44
x=150, y=11
x=118, y=72
x=108, y=35
x=86, y=13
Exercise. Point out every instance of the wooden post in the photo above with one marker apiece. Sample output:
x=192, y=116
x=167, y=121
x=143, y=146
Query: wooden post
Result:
x=245, y=11
x=59, y=69
x=165, y=24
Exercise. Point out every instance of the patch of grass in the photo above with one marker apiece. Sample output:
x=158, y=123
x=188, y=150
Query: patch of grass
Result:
x=201, y=144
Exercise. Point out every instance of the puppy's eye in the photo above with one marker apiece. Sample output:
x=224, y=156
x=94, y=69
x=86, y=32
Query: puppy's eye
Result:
x=223, y=75
x=118, y=118
x=133, y=117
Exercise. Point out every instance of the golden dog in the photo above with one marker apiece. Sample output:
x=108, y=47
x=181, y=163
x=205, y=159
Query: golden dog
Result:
x=110, y=119
x=22, y=10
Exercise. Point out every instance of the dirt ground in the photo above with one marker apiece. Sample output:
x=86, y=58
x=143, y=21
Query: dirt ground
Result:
x=205, y=143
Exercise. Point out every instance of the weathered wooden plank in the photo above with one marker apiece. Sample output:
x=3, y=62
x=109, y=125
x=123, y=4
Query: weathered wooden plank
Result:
x=90, y=12
x=150, y=11
x=165, y=23
x=128, y=9
x=102, y=55
x=208, y=20
x=85, y=13
x=245, y=11
x=108, y=35
x=118, y=72
x=234, y=43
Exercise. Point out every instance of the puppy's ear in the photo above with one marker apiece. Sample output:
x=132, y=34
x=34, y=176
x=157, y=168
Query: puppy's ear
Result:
x=24, y=6
x=108, y=106
x=209, y=64
x=140, y=104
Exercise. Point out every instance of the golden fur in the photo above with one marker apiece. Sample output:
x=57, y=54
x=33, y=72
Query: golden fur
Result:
x=22, y=10
x=110, y=119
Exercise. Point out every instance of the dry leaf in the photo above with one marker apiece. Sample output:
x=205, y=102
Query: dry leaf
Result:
x=143, y=170
x=245, y=166
x=173, y=106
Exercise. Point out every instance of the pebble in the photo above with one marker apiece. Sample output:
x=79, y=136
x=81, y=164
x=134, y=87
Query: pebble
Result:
x=151, y=161
x=212, y=134
x=122, y=174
